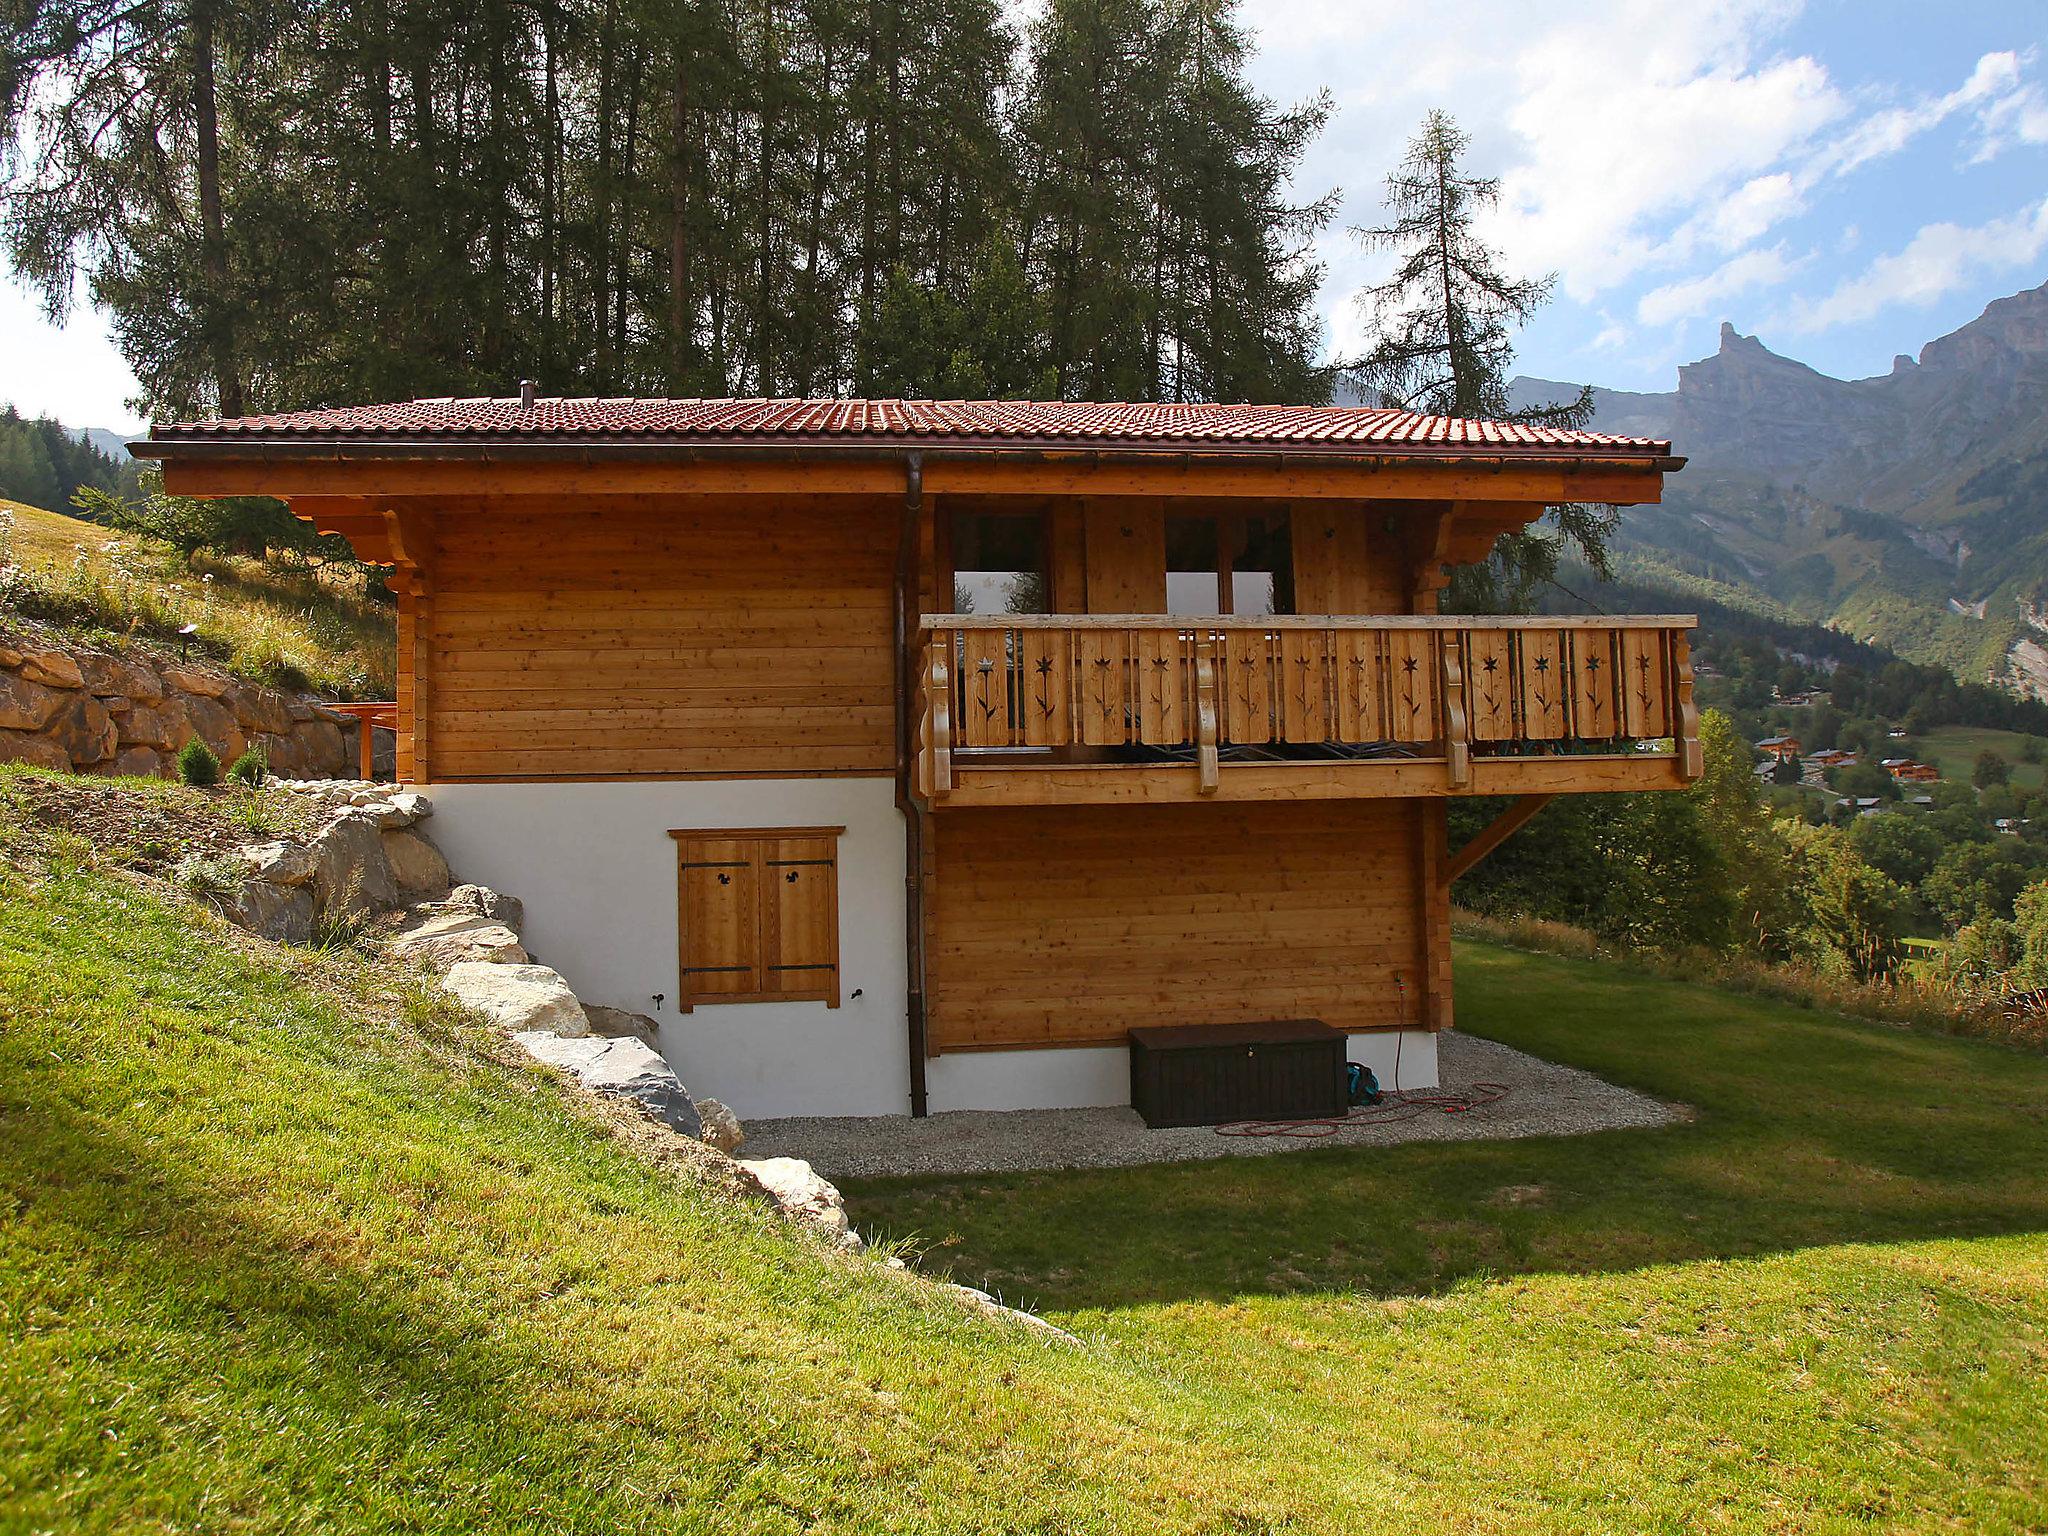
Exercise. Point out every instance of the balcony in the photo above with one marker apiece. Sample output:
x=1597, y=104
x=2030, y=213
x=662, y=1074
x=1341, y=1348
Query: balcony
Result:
x=1103, y=709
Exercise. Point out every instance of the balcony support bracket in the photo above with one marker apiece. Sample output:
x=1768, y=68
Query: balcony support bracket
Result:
x=1494, y=833
x=1205, y=714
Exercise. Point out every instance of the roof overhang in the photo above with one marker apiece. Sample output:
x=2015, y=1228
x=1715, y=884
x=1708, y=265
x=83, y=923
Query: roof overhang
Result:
x=288, y=467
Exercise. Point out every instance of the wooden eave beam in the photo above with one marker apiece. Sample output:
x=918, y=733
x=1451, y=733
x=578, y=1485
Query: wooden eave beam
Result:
x=1176, y=475
x=356, y=518
x=1494, y=833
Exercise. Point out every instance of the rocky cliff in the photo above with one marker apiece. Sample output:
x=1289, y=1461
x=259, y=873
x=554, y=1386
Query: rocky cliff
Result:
x=1910, y=507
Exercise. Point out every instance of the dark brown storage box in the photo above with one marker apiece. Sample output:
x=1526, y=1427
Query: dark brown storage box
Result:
x=1209, y=1074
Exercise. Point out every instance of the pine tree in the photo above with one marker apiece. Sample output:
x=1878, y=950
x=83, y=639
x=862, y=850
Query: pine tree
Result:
x=1443, y=324
x=1233, y=283
x=334, y=200
x=1087, y=121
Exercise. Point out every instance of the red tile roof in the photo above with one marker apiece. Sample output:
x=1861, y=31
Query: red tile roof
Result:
x=910, y=423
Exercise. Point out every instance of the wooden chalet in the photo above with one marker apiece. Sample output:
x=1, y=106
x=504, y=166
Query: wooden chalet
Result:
x=903, y=755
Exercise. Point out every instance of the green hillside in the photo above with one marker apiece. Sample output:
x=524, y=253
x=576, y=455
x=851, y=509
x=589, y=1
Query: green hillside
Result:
x=1954, y=748
x=284, y=1246
x=275, y=624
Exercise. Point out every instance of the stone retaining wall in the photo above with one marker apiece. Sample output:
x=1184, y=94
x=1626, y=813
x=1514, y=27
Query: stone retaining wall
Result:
x=84, y=710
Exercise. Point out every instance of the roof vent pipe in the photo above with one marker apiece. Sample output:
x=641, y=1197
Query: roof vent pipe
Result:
x=526, y=391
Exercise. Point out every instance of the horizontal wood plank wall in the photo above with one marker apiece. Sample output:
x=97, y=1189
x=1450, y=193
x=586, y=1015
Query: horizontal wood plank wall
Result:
x=710, y=636
x=1066, y=925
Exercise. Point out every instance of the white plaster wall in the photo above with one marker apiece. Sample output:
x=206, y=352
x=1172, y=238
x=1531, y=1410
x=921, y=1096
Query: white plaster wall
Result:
x=1087, y=1078
x=596, y=868
x=1082, y=1078
x=1399, y=1058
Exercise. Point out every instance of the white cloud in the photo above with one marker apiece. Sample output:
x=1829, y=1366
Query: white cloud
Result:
x=1655, y=156
x=1751, y=210
x=1619, y=157
x=1696, y=296
x=2018, y=114
x=1939, y=259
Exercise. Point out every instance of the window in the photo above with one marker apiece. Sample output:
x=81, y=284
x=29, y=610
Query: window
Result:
x=758, y=910
x=1193, y=563
x=1262, y=565
x=1234, y=564
x=999, y=563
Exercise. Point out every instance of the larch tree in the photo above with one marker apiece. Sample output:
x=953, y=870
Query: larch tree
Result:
x=1442, y=325
x=1233, y=283
x=335, y=200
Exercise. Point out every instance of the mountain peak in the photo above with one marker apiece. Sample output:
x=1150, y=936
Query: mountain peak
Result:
x=2010, y=330
x=1734, y=343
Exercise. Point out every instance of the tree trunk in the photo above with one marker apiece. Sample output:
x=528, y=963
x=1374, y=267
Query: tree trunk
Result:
x=213, y=237
x=681, y=318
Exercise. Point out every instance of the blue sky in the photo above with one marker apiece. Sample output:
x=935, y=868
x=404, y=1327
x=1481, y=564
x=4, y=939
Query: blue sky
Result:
x=1846, y=180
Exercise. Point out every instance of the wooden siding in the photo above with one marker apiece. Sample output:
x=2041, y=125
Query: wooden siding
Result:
x=1068, y=925
x=1126, y=556
x=1345, y=560
x=1378, y=693
x=708, y=637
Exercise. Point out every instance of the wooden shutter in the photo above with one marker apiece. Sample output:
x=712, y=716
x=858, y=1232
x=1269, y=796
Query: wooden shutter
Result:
x=758, y=915
x=722, y=949
x=800, y=908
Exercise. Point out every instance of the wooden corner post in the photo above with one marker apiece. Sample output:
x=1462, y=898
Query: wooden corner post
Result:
x=411, y=579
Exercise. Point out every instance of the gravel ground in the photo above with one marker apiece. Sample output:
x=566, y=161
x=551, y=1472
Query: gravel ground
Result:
x=1543, y=1099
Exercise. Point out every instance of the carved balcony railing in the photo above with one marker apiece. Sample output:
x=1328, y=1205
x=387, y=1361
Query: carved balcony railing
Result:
x=1384, y=705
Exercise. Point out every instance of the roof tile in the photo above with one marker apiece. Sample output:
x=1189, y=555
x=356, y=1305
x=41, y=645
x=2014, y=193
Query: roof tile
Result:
x=998, y=422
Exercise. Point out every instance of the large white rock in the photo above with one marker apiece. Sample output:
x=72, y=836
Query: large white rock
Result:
x=354, y=877
x=443, y=939
x=392, y=808
x=279, y=863
x=622, y=1068
x=801, y=1195
x=518, y=997
x=722, y=1128
x=485, y=902
x=276, y=912
x=416, y=864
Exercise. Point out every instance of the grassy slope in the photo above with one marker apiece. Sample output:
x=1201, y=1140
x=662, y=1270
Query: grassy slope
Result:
x=276, y=626
x=281, y=1249
x=1837, y=1274
x=1954, y=748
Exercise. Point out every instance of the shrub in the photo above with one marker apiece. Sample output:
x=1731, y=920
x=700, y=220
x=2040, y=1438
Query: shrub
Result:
x=1982, y=955
x=251, y=768
x=208, y=874
x=255, y=813
x=197, y=765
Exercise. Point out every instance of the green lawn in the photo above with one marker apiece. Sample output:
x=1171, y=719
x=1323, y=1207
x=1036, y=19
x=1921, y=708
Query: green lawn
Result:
x=285, y=1247
x=1954, y=748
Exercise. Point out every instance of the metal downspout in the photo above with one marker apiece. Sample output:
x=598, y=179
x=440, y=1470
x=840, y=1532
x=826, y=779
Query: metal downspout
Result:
x=913, y=814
